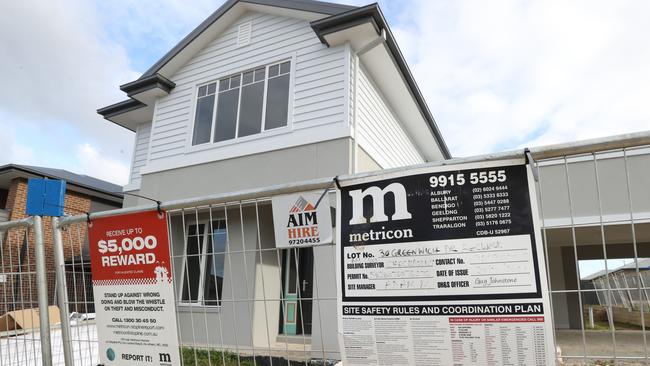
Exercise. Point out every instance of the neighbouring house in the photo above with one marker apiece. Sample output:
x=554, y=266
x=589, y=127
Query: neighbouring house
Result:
x=262, y=93
x=629, y=288
x=83, y=194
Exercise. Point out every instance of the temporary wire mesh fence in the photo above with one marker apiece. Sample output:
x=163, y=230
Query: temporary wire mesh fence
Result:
x=18, y=299
x=20, y=332
x=240, y=300
x=625, y=284
x=80, y=302
x=23, y=290
x=595, y=212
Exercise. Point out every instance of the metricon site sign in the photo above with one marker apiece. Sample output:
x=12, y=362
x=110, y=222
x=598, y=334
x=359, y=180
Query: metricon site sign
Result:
x=132, y=285
x=443, y=266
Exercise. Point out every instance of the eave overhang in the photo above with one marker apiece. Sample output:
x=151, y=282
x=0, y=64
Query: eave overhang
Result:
x=371, y=17
x=142, y=94
x=127, y=113
x=120, y=107
x=143, y=85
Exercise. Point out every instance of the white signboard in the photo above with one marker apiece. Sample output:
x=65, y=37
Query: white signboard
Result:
x=443, y=267
x=133, y=290
x=298, y=222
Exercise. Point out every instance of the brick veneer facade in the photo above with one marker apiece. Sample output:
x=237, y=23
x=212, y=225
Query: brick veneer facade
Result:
x=19, y=289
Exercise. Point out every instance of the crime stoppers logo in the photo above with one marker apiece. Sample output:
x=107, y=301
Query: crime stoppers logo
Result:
x=110, y=354
x=302, y=224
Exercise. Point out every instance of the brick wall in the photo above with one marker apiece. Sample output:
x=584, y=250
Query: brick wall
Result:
x=19, y=289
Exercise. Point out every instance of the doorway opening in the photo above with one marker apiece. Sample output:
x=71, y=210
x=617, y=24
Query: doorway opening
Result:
x=297, y=290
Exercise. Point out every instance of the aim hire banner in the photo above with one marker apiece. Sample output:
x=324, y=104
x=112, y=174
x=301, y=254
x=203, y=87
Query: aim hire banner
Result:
x=443, y=266
x=132, y=284
x=298, y=222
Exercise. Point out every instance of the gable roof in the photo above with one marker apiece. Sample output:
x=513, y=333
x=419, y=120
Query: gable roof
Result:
x=152, y=78
x=80, y=180
x=303, y=5
x=334, y=18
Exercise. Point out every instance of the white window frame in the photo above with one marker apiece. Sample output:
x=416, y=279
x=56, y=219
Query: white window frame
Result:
x=209, y=226
x=263, y=133
x=195, y=101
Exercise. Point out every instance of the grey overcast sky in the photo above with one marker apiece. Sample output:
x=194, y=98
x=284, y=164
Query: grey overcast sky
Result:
x=496, y=74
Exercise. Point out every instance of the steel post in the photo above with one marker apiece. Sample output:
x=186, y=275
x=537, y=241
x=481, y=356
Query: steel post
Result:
x=62, y=292
x=41, y=286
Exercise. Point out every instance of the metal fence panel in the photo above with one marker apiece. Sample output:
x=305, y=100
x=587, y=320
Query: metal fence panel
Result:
x=25, y=323
x=232, y=284
x=600, y=229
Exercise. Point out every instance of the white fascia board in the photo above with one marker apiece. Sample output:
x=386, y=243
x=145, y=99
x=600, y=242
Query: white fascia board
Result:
x=130, y=120
x=149, y=96
x=284, y=12
x=225, y=21
x=357, y=36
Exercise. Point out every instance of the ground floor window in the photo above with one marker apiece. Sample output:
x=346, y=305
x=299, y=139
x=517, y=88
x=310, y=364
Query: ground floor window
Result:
x=203, y=266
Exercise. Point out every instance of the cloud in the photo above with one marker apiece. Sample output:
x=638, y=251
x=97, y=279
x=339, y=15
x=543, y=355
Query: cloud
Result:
x=12, y=151
x=28, y=145
x=95, y=164
x=63, y=60
x=497, y=75
x=57, y=67
x=150, y=28
x=58, y=62
x=504, y=74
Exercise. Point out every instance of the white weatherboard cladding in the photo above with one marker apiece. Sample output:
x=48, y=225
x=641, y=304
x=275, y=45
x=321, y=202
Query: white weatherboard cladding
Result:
x=350, y=56
x=318, y=74
x=142, y=134
x=378, y=131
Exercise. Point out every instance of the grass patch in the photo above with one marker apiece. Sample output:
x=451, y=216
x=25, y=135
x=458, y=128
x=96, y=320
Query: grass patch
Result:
x=604, y=363
x=604, y=325
x=202, y=357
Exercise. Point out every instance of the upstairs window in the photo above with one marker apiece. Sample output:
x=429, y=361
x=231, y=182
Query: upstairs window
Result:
x=242, y=105
x=227, y=107
x=204, y=111
x=277, y=103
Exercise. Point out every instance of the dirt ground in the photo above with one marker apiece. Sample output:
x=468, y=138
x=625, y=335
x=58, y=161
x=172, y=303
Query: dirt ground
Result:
x=601, y=346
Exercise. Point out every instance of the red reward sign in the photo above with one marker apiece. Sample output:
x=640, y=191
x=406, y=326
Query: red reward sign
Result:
x=130, y=249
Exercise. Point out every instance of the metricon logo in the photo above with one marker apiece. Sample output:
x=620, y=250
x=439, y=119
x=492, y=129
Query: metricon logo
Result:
x=164, y=357
x=378, y=210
